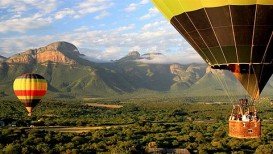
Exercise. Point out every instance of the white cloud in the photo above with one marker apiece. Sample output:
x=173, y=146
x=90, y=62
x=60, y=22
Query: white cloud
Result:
x=102, y=55
x=144, y=2
x=10, y=46
x=135, y=48
x=151, y=13
x=102, y=15
x=46, y=5
x=125, y=28
x=81, y=29
x=92, y=6
x=111, y=53
x=63, y=13
x=25, y=15
x=86, y=7
x=178, y=57
x=134, y=6
x=20, y=6
x=23, y=24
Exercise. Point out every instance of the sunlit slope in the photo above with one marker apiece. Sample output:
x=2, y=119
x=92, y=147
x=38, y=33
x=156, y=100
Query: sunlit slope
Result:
x=215, y=84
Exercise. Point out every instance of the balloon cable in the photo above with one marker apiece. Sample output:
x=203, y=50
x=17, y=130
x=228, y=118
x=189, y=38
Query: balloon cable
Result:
x=216, y=76
x=265, y=54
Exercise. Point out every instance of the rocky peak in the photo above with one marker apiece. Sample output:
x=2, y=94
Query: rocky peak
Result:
x=64, y=47
x=134, y=53
x=175, y=68
x=28, y=56
x=57, y=52
x=193, y=68
x=208, y=70
x=215, y=71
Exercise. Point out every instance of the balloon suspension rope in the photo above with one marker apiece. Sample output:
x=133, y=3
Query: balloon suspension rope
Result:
x=224, y=86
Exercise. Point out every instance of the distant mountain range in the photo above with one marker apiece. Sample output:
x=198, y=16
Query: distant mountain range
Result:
x=2, y=58
x=69, y=74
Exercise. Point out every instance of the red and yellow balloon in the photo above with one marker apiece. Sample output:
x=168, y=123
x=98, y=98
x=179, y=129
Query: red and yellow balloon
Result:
x=30, y=88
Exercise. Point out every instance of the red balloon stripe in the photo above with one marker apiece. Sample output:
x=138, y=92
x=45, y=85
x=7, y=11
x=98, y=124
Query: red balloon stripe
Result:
x=30, y=92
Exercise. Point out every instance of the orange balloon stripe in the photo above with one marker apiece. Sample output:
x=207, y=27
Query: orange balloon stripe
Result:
x=29, y=92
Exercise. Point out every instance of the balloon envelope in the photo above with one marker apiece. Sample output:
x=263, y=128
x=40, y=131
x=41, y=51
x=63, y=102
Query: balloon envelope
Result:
x=30, y=88
x=228, y=34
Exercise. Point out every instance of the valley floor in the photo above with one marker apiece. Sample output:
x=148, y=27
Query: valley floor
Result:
x=132, y=126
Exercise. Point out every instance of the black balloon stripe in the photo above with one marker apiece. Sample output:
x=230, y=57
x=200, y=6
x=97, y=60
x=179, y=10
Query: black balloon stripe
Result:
x=242, y=24
x=30, y=103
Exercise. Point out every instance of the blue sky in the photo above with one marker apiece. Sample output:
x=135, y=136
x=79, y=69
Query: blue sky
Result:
x=101, y=29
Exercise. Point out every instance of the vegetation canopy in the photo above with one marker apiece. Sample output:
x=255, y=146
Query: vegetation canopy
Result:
x=171, y=123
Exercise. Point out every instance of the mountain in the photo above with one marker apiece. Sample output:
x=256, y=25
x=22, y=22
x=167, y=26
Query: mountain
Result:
x=61, y=64
x=70, y=75
x=215, y=83
x=186, y=76
x=57, y=52
x=2, y=58
x=132, y=56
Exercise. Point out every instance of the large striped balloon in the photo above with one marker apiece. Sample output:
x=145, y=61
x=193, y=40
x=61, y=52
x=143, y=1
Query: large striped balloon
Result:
x=30, y=88
x=235, y=35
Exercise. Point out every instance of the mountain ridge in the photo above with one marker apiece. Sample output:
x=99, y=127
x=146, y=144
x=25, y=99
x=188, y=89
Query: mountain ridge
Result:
x=57, y=52
x=70, y=75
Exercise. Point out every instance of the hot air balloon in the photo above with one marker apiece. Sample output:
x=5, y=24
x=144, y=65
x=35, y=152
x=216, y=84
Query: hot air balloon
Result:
x=30, y=88
x=234, y=35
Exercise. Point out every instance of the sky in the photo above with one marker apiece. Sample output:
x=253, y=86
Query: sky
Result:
x=101, y=29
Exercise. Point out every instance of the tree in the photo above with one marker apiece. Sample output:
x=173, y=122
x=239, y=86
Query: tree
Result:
x=11, y=149
x=77, y=140
x=235, y=144
x=199, y=137
x=264, y=149
x=43, y=148
x=175, y=143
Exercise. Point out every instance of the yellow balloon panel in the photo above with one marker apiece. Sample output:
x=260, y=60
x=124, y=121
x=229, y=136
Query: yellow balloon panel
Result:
x=29, y=85
x=171, y=8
